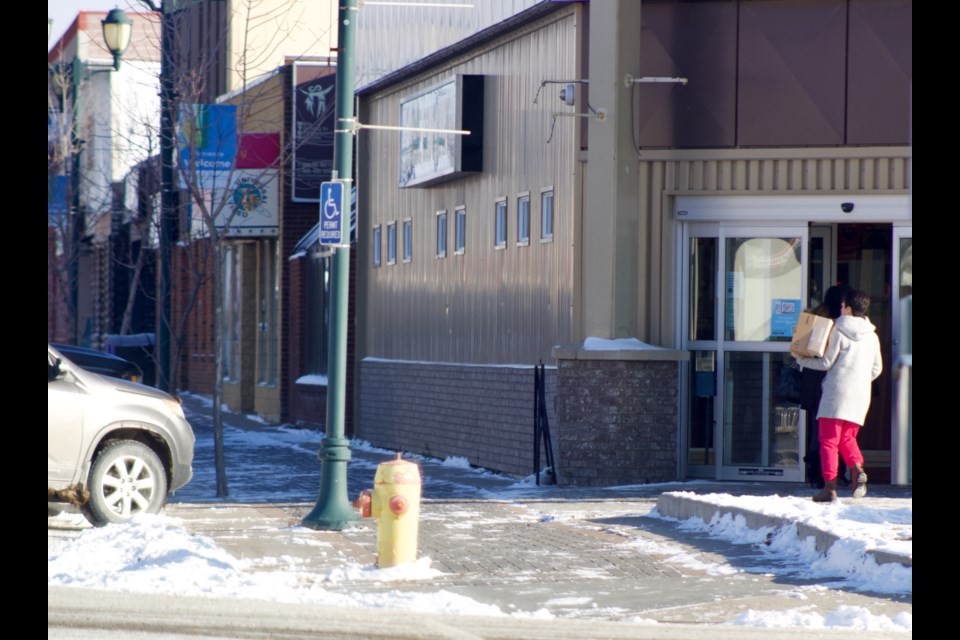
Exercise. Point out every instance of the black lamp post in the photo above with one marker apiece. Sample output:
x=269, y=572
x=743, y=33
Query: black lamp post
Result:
x=169, y=198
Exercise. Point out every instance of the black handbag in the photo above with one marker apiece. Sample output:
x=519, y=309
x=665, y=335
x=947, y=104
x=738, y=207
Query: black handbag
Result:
x=811, y=388
x=788, y=387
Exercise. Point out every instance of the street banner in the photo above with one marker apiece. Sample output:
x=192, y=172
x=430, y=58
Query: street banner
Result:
x=258, y=151
x=314, y=97
x=207, y=132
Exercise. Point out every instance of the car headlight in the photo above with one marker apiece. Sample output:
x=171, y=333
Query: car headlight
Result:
x=175, y=407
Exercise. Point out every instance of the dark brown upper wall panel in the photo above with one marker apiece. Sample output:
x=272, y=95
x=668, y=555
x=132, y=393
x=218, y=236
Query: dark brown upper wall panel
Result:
x=697, y=41
x=881, y=70
x=201, y=54
x=792, y=82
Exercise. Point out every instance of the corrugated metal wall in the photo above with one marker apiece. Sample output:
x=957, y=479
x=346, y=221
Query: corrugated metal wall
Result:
x=487, y=305
x=383, y=47
x=850, y=170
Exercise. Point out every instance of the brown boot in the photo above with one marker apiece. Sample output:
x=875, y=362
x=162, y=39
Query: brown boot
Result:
x=828, y=493
x=859, y=481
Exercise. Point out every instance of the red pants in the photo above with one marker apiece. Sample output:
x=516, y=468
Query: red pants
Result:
x=837, y=436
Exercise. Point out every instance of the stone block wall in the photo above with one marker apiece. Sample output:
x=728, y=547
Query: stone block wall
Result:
x=618, y=417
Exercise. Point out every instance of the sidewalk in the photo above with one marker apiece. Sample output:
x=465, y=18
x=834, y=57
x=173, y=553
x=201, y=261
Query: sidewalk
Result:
x=574, y=552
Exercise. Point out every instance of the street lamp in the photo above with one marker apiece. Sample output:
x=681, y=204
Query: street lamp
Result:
x=117, y=29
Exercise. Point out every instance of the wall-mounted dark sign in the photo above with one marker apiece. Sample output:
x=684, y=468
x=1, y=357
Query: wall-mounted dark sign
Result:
x=428, y=157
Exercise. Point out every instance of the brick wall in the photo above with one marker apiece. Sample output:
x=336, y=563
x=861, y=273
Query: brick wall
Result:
x=481, y=413
x=618, y=421
x=192, y=312
x=308, y=405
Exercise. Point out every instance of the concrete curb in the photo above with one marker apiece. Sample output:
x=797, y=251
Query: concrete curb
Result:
x=685, y=507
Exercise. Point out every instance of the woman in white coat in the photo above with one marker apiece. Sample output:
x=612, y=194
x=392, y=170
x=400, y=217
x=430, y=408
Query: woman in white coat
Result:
x=852, y=361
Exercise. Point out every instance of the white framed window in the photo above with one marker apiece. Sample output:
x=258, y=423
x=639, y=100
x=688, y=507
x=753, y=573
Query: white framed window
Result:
x=442, y=233
x=392, y=243
x=546, y=215
x=500, y=223
x=460, y=230
x=377, y=232
x=523, y=219
x=407, y=239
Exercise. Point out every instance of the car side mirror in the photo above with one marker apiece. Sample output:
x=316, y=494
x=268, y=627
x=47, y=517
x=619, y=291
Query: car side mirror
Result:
x=53, y=370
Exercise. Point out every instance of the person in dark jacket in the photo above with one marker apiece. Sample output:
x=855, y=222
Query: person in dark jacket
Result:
x=811, y=390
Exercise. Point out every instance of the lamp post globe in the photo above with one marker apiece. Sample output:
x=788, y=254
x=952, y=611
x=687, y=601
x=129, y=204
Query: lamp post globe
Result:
x=117, y=29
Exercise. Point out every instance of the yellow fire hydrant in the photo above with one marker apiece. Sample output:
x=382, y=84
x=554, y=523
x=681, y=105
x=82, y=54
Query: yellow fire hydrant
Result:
x=395, y=503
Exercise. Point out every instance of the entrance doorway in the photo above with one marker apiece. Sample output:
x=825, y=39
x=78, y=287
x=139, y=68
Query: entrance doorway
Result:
x=743, y=286
x=863, y=260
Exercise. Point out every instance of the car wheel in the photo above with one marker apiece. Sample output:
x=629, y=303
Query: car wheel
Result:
x=126, y=479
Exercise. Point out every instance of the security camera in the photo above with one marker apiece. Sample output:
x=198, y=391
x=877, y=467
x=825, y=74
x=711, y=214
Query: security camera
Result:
x=846, y=207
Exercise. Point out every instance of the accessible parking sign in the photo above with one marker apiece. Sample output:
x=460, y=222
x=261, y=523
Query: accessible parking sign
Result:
x=331, y=214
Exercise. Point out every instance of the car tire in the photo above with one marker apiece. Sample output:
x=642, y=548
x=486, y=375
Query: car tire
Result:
x=126, y=479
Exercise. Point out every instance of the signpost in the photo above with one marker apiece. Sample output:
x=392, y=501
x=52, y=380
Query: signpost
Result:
x=333, y=510
x=332, y=214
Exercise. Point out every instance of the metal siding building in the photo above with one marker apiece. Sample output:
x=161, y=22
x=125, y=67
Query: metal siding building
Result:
x=485, y=305
x=446, y=345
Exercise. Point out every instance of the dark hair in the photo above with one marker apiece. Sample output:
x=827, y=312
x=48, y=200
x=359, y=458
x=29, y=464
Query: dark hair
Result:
x=833, y=297
x=858, y=301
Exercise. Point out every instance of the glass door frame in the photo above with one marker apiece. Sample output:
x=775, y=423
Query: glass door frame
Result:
x=901, y=437
x=688, y=232
x=720, y=346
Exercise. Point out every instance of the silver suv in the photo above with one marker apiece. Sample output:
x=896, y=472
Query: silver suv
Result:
x=114, y=448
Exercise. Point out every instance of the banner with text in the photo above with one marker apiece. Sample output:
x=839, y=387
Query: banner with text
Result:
x=207, y=139
x=314, y=97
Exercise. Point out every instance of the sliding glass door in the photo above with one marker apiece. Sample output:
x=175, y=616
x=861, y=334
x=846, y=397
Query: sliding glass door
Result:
x=746, y=286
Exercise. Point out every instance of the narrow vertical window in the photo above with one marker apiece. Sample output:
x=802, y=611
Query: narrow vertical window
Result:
x=460, y=230
x=318, y=310
x=231, y=312
x=523, y=219
x=546, y=215
x=441, y=234
x=392, y=243
x=268, y=327
x=407, y=240
x=376, y=246
x=500, y=224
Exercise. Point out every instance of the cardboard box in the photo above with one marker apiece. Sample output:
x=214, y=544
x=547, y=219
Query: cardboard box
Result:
x=810, y=335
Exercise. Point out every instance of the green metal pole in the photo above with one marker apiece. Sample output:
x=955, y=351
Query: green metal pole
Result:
x=333, y=510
